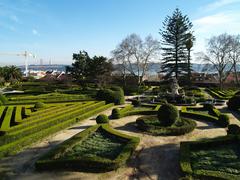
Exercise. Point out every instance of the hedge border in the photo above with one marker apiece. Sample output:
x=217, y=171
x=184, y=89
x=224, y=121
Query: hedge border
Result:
x=185, y=161
x=18, y=145
x=200, y=116
x=188, y=127
x=93, y=164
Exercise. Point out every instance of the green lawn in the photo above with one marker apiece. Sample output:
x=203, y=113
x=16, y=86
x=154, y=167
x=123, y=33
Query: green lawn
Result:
x=98, y=144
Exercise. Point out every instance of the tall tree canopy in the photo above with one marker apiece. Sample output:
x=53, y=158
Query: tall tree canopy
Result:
x=84, y=67
x=220, y=53
x=134, y=55
x=10, y=74
x=175, y=34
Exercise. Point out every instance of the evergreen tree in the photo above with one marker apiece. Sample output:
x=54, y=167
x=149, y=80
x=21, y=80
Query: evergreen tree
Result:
x=175, y=34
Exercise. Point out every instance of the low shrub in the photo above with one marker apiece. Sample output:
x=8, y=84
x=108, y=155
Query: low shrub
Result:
x=102, y=118
x=3, y=99
x=223, y=120
x=114, y=95
x=233, y=129
x=39, y=105
x=116, y=113
x=136, y=102
x=168, y=114
x=151, y=125
x=234, y=103
x=208, y=106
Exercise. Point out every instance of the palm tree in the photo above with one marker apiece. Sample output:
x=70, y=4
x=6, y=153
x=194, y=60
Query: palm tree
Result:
x=10, y=74
x=189, y=45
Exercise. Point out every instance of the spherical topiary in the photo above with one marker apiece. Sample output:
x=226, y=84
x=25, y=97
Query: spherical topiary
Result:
x=136, y=102
x=223, y=120
x=115, y=113
x=233, y=129
x=234, y=102
x=39, y=105
x=208, y=106
x=102, y=118
x=167, y=114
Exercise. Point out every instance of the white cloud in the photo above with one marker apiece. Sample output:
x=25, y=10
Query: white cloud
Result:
x=215, y=24
x=35, y=32
x=14, y=18
x=220, y=3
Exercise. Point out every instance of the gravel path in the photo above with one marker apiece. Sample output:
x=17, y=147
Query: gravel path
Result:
x=155, y=158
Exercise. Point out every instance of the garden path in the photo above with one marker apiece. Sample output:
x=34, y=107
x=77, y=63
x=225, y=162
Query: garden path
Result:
x=155, y=158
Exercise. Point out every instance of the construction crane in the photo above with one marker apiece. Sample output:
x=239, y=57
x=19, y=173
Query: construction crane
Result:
x=24, y=54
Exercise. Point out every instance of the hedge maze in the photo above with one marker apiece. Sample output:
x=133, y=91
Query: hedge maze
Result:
x=20, y=128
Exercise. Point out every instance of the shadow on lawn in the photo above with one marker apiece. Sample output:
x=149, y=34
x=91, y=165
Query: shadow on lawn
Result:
x=131, y=127
x=80, y=127
x=157, y=162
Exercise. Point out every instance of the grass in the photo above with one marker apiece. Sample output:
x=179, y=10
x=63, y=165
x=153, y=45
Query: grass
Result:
x=224, y=158
x=98, y=144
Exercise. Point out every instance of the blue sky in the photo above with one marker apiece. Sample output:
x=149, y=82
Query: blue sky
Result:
x=54, y=29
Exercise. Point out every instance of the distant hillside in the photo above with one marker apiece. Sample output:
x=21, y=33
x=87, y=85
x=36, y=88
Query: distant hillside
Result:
x=153, y=67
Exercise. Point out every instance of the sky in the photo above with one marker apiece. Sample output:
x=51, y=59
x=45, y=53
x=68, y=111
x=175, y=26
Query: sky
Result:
x=55, y=29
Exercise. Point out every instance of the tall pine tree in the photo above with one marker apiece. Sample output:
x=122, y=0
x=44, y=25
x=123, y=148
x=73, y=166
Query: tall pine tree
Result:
x=175, y=33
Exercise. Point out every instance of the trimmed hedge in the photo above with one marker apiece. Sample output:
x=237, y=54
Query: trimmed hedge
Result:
x=19, y=144
x=129, y=111
x=48, y=121
x=234, y=103
x=53, y=161
x=185, y=160
x=151, y=125
x=168, y=114
x=233, y=129
x=114, y=95
x=215, y=118
x=102, y=118
x=3, y=99
x=39, y=105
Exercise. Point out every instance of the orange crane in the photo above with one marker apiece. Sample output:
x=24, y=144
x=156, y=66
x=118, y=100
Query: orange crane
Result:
x=24, y=54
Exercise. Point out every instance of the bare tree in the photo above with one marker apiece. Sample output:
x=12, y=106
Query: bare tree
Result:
x=235, y=56
x=133, y=54
x=218, y=54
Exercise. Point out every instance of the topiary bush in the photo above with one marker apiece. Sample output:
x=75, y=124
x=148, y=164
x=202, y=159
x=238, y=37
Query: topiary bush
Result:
x=168, y=114
x=102, y=118
x=136, y=103
x=234, y=102
x=223, y=120
x=208, y=106
x=116, y=113
x=3, y=99
x=39, y=105
x=233, y=129
x=114, y=95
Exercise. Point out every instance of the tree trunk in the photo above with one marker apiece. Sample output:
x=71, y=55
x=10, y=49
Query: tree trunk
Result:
x=189, y=68
x=236, y=74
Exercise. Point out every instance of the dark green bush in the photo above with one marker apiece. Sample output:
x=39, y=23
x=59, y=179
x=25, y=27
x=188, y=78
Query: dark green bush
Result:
x=39, y=105
x=114, y=95
x=233, y=129
x=223, y=120
x=151, y=125
x=168, y=114
x=102, y=118
x=234, y=103
x=115, y=113
x=136, y=102
x=3, y=99
x=208, y=106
